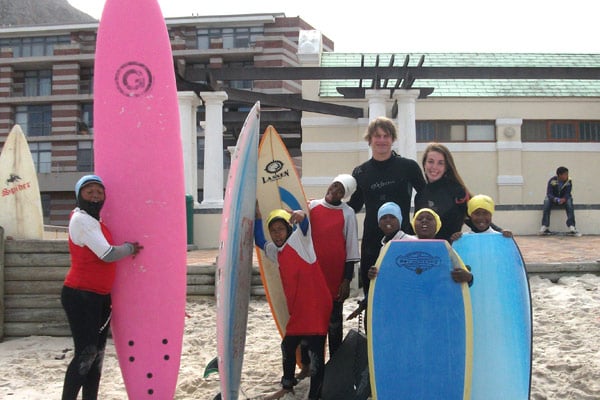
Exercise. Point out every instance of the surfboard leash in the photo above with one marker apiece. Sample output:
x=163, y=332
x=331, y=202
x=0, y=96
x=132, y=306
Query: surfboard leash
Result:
x=360, y=320
x=106, y=323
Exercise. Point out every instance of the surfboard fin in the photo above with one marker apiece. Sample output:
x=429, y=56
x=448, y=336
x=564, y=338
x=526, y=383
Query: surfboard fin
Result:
x=212, y=368
x=217, y=397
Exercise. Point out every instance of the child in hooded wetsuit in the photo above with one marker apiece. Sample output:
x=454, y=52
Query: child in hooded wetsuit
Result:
x=480, y=210
x=426, y=224
x=308, y=298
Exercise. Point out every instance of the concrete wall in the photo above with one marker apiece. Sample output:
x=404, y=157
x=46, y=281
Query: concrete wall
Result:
x=513, y=172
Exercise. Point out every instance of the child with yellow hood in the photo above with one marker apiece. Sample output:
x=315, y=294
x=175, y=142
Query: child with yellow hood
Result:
x=480, y=209
x=426, y=223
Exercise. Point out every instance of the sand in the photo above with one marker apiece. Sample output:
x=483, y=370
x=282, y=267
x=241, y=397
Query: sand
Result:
x=566, y=351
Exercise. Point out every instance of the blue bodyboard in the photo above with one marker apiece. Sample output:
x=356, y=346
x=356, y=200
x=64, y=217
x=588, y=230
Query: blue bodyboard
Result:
x=502, y=321
x=419, y=324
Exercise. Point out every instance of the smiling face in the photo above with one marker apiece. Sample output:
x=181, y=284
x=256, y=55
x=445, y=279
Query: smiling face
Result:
x=435, y=166
x=278, y=230
x=381, y=144
x=481, y=219
x=389, y=224
x=425, y=225
x=335, y=193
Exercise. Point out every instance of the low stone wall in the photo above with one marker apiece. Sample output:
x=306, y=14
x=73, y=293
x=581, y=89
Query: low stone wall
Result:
x=31, y=279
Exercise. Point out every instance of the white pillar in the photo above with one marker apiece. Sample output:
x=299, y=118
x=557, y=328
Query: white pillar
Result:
x=407, y=122
x=188, y=108
x=377, y=99
x=213, y=149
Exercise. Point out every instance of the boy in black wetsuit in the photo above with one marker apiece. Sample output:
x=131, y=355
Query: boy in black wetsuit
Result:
x=385, y=177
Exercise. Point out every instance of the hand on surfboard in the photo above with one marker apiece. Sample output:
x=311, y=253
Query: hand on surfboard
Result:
x=136, y=248
x=297, y=216
x=461, y=275
x=372, y=273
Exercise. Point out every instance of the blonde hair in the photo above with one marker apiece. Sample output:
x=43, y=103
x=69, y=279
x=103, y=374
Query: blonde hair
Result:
x=383, y=123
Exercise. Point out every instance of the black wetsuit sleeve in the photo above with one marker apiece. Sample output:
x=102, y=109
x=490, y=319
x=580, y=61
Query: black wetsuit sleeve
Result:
x=417, y=180
x=357, y=199
x=349, y=270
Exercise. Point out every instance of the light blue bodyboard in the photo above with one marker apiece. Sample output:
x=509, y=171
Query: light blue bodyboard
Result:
x=502, y=321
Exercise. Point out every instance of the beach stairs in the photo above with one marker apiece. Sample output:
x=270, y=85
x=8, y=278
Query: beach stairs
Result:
x=201, y=281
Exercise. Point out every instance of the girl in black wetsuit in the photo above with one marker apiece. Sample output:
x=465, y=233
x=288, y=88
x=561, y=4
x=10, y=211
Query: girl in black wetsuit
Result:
x=445, y=192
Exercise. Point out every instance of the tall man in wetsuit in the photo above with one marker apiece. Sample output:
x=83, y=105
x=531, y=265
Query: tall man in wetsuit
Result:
x=385, y=177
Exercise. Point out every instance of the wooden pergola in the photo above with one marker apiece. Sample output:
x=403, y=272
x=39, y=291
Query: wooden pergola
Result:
x=383, y=77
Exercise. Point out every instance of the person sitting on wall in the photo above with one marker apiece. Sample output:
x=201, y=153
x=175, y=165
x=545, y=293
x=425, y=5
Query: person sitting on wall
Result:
x=558, y=193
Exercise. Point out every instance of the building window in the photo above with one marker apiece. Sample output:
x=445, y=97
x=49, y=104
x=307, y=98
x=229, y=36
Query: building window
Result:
x=255, y=33
x=228, y=38
x=560, y=131
x=456, y=131
x=86, y=81
x=34, y=46
x=38, y=83
x=589, y=131
x=46, y=207
x=202, y=39
x=34, y=120
x=239, y=84
x=233, y=38
x=86, y=123
x=41, y=152
x=85, y=157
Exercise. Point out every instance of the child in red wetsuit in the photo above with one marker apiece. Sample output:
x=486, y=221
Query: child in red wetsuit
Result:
x=335, y=238
x=308, y=298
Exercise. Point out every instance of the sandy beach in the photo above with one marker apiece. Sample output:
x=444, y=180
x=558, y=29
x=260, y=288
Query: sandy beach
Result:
x=566, y=355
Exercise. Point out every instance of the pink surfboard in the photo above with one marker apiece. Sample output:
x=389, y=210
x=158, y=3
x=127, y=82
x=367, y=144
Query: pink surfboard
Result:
x=138, y=154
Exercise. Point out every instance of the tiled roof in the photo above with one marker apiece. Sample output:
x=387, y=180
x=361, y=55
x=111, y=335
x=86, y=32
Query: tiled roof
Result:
x=476, y=87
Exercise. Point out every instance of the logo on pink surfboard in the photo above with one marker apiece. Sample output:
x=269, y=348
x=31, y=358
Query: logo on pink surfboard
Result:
x=133, y=79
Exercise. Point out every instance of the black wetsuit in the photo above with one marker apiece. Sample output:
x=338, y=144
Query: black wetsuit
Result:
x=379, y=182
x=88, y=314
x=449, y=200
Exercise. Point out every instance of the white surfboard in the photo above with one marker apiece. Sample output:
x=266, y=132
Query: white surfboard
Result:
x=234, y=264
x=20, y=201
